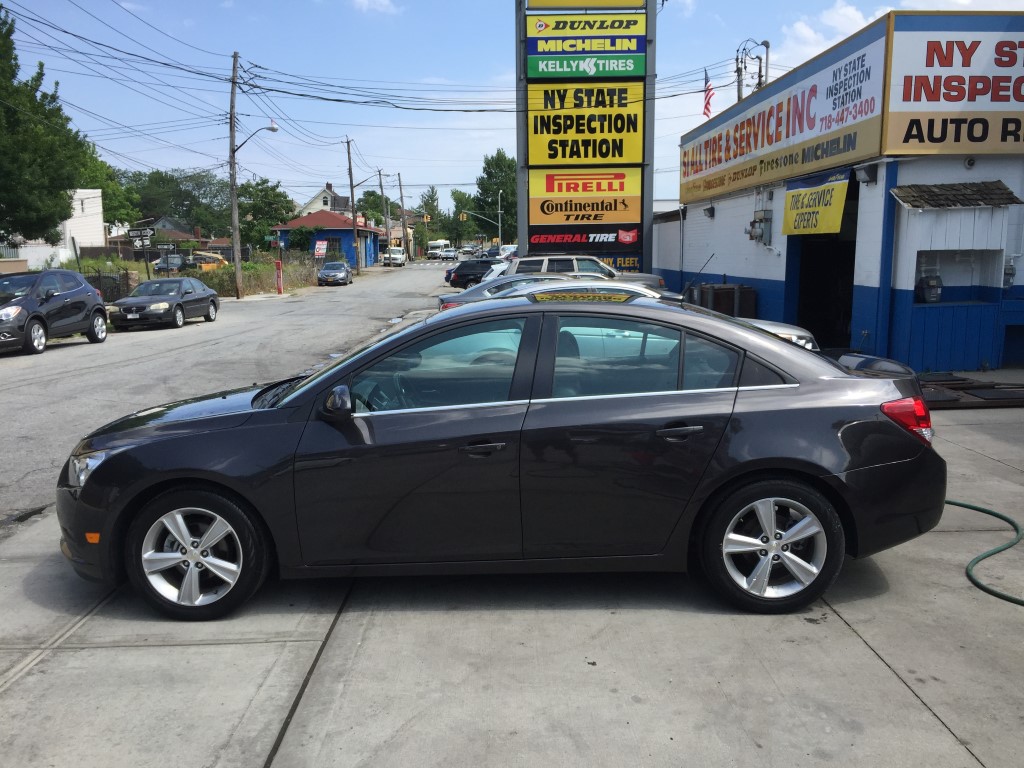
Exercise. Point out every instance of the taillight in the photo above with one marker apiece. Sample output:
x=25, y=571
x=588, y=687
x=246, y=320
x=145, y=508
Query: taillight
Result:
x=449, y=305
x=912, y=414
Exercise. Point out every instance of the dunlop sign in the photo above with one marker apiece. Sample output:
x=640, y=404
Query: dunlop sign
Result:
x=601, y=45
x=815, y=206
x=595, y=195
x=586, y=123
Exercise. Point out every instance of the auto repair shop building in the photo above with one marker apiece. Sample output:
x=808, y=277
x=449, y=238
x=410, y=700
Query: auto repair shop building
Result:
x=872, y=195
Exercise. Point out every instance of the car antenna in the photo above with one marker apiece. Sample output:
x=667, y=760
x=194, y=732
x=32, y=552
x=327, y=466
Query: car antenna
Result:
x=701, y=270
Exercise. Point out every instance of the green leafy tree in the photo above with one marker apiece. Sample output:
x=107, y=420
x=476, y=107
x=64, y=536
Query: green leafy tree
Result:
x=372, y=205
x=120, y=203
x=466, y=224
x=262, y=205
x=499, y=175
x=198, y=198
x=41, y=157
x=301, y=238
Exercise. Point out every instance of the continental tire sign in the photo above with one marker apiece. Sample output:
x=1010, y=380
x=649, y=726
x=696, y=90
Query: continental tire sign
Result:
x=561, y=196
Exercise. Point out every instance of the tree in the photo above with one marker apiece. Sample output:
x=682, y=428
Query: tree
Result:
x=198, y=198
x=466, y=229
x=371, y=205
x=499, y=175
x=41, y=157
x=120, y=204
x=261, y=205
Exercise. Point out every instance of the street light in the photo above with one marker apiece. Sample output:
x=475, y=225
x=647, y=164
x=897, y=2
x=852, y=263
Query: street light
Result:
x=500, y=240
x=236, y=243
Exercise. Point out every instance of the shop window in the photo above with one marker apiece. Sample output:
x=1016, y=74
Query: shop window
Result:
x=958, y=276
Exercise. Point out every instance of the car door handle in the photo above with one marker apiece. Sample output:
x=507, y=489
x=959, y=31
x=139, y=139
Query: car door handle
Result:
x=481, y=450
x=678, y=434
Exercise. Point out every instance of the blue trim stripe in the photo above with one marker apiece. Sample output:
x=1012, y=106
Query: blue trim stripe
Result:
x=953, y=22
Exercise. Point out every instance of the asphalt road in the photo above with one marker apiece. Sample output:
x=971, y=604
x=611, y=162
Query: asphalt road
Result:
x=49, y=402
x=904, y=663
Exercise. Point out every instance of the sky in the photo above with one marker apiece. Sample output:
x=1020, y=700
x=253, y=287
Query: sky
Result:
x=421, y=89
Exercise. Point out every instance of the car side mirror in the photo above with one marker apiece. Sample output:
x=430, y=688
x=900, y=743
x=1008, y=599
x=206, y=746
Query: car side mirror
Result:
x=188, y=291
x=338, y=406
x=50, y=293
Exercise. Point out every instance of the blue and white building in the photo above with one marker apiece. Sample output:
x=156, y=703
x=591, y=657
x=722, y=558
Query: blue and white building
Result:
x=874, y=195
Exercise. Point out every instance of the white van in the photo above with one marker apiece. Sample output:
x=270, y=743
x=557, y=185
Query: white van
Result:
x=393, y=257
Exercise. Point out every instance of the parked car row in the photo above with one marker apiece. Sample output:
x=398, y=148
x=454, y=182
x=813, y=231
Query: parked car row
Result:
x=55, y=303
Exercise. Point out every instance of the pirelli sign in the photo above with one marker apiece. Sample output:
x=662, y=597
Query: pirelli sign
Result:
x=560, y=196
x=584, y=124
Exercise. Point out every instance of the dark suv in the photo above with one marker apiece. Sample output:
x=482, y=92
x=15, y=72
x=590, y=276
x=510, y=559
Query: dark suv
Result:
x=469, y=272
x=35, y=306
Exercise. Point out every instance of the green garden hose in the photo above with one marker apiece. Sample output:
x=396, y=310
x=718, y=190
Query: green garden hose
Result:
x=1001, y=548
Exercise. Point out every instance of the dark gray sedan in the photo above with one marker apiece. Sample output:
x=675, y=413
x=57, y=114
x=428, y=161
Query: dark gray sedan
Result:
x=167, y=301
x=587, y=432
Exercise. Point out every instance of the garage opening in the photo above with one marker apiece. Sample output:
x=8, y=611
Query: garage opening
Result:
x=826, y=262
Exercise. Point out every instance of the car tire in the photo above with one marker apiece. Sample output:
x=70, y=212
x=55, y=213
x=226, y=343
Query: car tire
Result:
x=211, y=313
x=97, y=332
x=471, y=282
x=35, y=337
x=178, y=320
x=195, y=555
x=772, y=546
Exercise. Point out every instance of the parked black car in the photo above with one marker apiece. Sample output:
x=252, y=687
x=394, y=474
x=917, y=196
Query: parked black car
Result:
x=515, y=436
x=166, y=301
x=469, y=272
x=334, y=273
x=172, y=262
x=36, y=306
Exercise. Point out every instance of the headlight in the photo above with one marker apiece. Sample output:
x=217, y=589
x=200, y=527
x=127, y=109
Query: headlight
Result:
x=112, y=309
x=81, y=466
x=160, y=306
x=10, y=313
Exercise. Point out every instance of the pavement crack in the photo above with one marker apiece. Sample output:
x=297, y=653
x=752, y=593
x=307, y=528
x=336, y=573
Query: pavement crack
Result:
x=898, y=676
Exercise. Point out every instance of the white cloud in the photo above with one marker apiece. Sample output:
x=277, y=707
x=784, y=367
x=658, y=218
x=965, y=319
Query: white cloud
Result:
x=809, y=36
x=376, y=6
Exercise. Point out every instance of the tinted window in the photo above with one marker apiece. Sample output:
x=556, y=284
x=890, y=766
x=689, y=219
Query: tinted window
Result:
x=707, y=365
x=610, y=356
x=48, y=283
x=69, y=282
x=530, y=266
x=561, y=265
x=757, y=374
x=467, y=365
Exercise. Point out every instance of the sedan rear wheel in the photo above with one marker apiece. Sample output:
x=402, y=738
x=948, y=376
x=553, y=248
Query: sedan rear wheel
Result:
x=195, y=555
x=773, y=546
x=179, y=317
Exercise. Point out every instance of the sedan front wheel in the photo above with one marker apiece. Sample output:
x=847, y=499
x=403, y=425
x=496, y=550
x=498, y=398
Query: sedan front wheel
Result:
x=773, y=546
x=178, y=320
x=195, y=555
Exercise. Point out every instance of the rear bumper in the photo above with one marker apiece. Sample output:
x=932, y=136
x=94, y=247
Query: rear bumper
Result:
x=893, y=503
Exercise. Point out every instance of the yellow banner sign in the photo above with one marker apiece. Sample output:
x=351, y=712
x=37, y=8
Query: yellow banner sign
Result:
x=585, y=124
x=815, y=206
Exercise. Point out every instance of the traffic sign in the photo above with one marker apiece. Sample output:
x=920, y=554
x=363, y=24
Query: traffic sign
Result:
x=147, y=232
x=165, y=246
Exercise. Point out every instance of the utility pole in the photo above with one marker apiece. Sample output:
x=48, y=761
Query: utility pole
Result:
x=405, y=228
x=236, y=243
x=739, y=74
x=387, y=208
x=352, y=206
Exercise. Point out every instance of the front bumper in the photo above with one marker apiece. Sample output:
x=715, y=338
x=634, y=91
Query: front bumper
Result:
x=11, y=336
x=121, y=319
x=91, y=561
x=332, y=279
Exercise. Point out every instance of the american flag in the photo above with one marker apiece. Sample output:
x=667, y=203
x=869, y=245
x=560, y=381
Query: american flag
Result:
x=708, y=93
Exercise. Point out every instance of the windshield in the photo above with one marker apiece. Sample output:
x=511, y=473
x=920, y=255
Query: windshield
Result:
x=314, y=380
x=158, y=288
x=395, y=251
x=335, y=265
x=11, y=287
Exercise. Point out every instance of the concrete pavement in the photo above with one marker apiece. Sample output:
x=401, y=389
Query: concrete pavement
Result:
x=904, y=663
